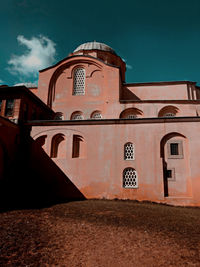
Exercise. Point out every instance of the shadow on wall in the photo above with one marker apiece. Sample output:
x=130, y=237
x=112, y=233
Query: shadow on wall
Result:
x=35, y=181
x=128, y=95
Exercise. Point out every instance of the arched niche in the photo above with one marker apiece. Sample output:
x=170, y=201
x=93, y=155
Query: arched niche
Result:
x=174, y=151
x=58, y=146
x=131, y=113
x=78, y=146
x=41, y=140
x=168, y=111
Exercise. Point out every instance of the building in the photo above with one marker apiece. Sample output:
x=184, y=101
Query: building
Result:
x=113, y=140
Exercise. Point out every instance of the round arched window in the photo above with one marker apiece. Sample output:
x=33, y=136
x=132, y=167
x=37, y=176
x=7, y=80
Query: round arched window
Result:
x=96, y=115
x=130, y=178
x=77, y=116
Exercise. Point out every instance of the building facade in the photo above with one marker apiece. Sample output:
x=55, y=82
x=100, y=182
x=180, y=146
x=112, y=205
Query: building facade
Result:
x=112, y=139
x=118, y=140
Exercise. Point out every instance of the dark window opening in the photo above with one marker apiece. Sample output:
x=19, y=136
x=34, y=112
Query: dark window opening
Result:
x=9, y=107
x=174, y=149
x=169, y=173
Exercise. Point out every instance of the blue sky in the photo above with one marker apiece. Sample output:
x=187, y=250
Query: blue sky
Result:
x=159, y=39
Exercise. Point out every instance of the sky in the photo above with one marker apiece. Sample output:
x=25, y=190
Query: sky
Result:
x=158, y=39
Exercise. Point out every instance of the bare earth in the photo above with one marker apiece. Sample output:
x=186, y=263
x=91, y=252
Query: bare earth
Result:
x=101, y=233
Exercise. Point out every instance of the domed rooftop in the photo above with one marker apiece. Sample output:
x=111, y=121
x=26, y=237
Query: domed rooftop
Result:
x=94, y=46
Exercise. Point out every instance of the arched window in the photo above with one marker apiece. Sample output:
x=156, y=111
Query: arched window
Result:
x=77, y=144
x=129, y=151
x=131, y=113
x=56, y=140
x=130, y=178
x=96, y=115
x=79, y=81
x=168, y=111
x=169, y=114
x=59, y=116
x=77, y=116
x=40, y=141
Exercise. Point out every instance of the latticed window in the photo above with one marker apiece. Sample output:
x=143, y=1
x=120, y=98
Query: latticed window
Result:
x=131, y=116
x=174, y=149
x=169, y=114
x=77, y=116
x=79, y=82
x=129, y=152
x=130, y=178
x=96, y=115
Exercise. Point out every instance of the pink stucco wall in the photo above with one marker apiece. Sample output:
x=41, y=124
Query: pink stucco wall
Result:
x=98, y=171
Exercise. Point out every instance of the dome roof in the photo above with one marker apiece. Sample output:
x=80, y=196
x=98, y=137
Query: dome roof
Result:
x=94, y=46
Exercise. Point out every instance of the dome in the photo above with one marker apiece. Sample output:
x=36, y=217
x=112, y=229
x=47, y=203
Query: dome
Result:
x=94, y=46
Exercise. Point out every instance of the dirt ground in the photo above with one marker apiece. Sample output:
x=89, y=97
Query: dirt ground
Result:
x=101, y=233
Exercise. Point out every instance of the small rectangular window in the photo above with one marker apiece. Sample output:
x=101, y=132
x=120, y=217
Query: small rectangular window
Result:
x=9, y=107
x=169, y=173
x=174, y=149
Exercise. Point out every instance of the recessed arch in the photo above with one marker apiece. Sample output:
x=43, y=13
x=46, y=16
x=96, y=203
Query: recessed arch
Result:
x=168, y=111
x=131, y=113
x=96, y=115
x=166, y=138
x=77, y=115
x=172, y=147
x=78, y=146
x=60, y=69
x=40, y=141
x=59, y=116
x=55, y=145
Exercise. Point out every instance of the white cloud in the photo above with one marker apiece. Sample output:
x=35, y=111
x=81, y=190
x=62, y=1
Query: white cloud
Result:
x=28, y=84
x=129, y=67
x=1, y=81
x=40, y=53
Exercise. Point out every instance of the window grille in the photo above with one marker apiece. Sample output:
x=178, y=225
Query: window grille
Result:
x=129, y=153
x=131, y=116
x=97, y=115
x=169, y=114
x=77, y=116
x=79, y=82
x=174, y=149
x=130, y=178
